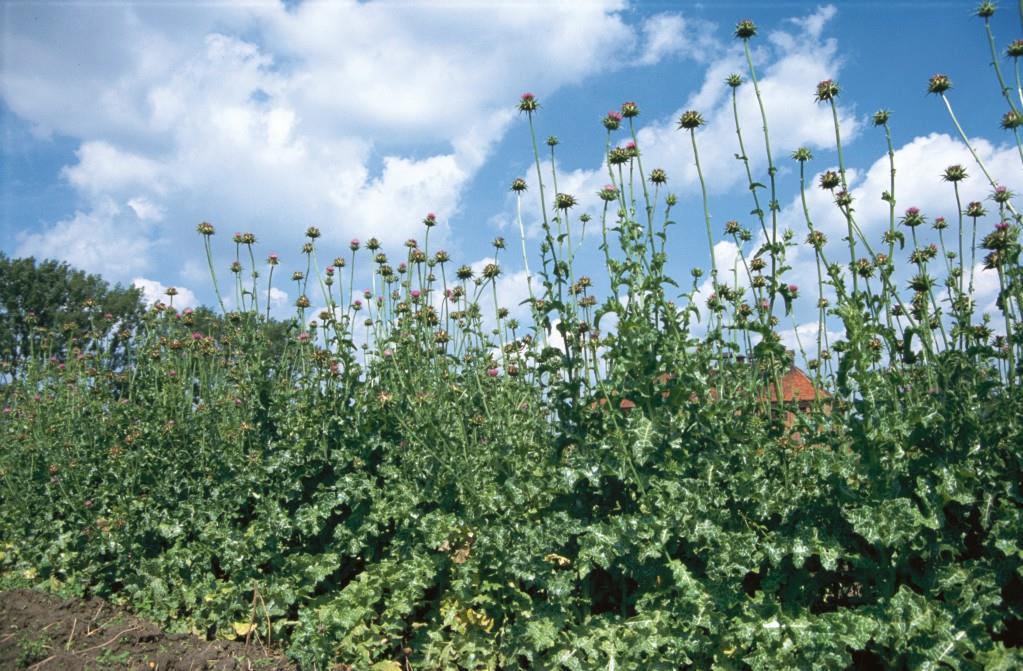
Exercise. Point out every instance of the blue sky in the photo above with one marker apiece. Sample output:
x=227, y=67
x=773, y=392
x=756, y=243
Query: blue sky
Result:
x=124, y=125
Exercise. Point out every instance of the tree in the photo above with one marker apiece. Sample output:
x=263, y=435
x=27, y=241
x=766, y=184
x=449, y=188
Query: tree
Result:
x=46, y=308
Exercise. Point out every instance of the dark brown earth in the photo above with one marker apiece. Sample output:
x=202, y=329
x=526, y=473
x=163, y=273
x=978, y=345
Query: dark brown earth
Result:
x=49, y=633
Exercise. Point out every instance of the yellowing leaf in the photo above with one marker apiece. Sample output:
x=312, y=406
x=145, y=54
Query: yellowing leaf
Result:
x=243, y=628
x=386, y=666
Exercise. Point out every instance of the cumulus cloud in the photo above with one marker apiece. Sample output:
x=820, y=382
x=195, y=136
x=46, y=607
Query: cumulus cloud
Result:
x=269, y=118
x=154, y=290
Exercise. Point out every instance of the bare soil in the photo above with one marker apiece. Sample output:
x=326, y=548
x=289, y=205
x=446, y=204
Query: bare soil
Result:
x=50, y=633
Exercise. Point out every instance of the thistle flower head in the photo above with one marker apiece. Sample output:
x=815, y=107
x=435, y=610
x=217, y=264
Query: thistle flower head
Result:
x=302, y=301
x=827, y=90
x=630, y=109
x=734, y=80
x=1012, y=120
x=491, y=271
x=830, y=180
x=354, y=244
x=802, y=155
x=298, y=276
x=171, y=291
x=430, y=220
x=881, y=117
x=552, y=141
x=608, y=193
x=518, y=185
x=339, y=262
x=690, y=120
x=528, y=103
x=612, y=120
x=205, y=228
x=939, y=84
x=975, y=209
x=986, y=9
x=237, y=238
x=732, y=227
x=1001, y=195
x=312, y=232
x=441, y=256
x=372, y=244
x=498, y=243
x=1015, y=49
x=464, y=273
x=912, y=217
x=939, y=224
x=954, y=173
x=564, y=201
x=745, y=29
x=236, y=267
x=273, y=259
x=307, y=248
x=658, y=176
x=618, y=156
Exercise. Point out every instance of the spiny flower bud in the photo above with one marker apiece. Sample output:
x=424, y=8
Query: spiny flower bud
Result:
x=975, y=209
x=802, y=155
x=298, y=275
x=881, y=117
x=563, y=201
x=312, y=232
x=491, y=271
x=1001, y=195
x=912, y=217
x=658, y=176
x=171, y=291
x=464, y=273
x=830, y=180
x=827, y=90
x=1012, y=120
x=843, y=199
x=734, y=80
x=939, y=84
x=986, y=9
x=307, y=248
x=237, y=238
x=339, y=262
x=372, y=244
x=528, y=103
x=236, y=267
x=732, y=227
x=411, y=243
x=205, y=228
x=618, y=156
x=273, y=260
x=1015, y=49
x=441, y=256
x=954, y=173
x=518, y=185
x=430, y=220
x=302, y=301
x=816, y=239
x=608, y=193
x=612, y=121
x=745, y=29
x=354, y=245
x=498, y=243
x=939, y=224
x=630, y=109
x=690, y=120
x=552, y=141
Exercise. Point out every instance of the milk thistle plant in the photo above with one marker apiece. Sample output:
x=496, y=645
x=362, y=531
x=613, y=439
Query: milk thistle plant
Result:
x=632, y=476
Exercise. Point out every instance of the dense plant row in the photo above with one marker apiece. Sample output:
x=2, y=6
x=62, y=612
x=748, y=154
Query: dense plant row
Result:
x=401, y=481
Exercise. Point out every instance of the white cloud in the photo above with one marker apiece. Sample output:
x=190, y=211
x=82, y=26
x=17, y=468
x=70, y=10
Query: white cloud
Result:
x=103, y=240
x=153, y=291
x=266, y=118
x=669, y=35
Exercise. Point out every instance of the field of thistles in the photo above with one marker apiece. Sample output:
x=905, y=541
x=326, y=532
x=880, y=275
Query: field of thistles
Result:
x=402, y=480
